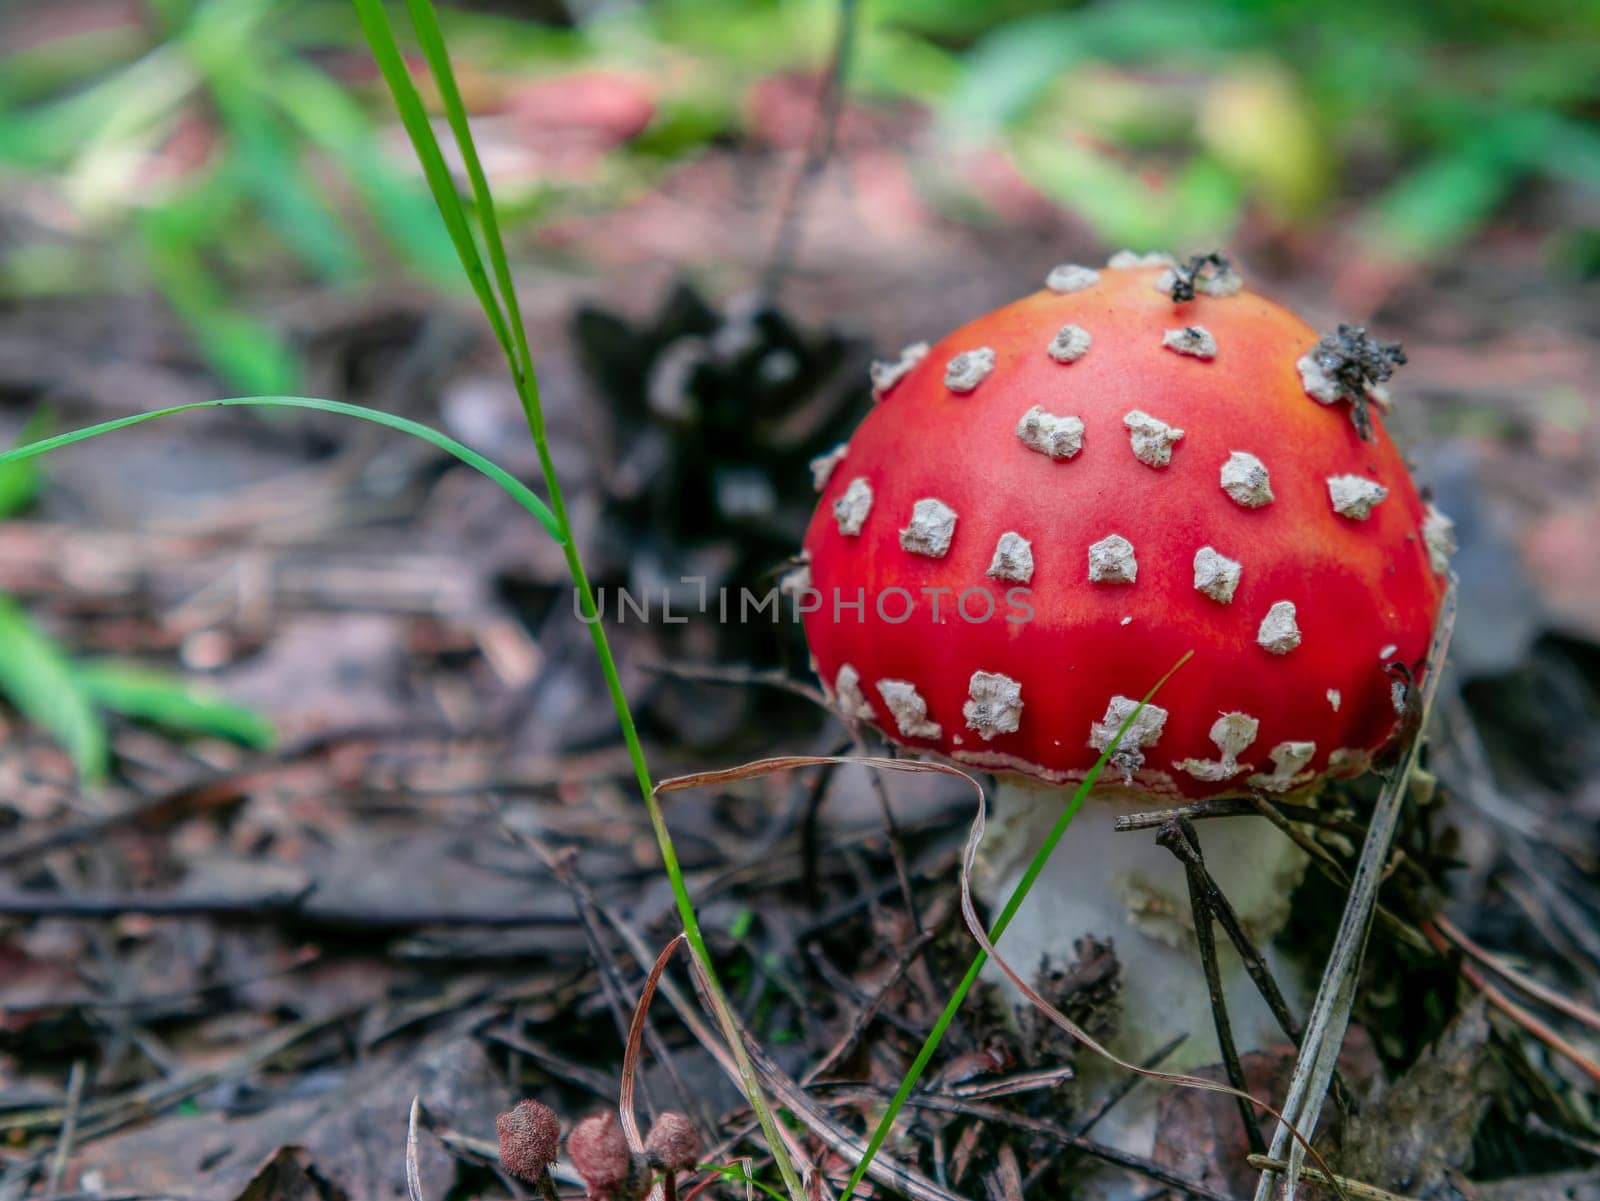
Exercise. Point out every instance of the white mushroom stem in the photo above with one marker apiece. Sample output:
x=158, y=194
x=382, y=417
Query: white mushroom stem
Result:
x=1124, y=888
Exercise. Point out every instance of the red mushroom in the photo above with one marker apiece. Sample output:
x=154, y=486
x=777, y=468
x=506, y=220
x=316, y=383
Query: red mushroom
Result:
x=1047, y=508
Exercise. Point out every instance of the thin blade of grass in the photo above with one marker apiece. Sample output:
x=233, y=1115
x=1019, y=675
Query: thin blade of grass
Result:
x=426, y=22
x=381, y=40
x=1018, y=895
x=512, y=486
x=380, y=37
x=38, y=679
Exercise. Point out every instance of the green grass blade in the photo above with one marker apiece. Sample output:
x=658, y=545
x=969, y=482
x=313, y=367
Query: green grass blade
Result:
x=375, y=26
x=513, y=487
x=426, y=21
x=1019, y=894
x=170, y=702
x=38, y=679
x=736, y=1173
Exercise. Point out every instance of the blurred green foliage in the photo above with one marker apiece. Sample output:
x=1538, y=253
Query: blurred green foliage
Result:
x=1164, y=123
x=224, y=147
x=205, y=145
x=69, y=698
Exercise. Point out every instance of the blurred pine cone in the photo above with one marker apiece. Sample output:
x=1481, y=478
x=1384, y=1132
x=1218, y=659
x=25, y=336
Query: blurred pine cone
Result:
x=717, y=414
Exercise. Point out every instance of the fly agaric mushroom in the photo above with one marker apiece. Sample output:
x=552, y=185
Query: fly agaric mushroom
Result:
x=1045, y=510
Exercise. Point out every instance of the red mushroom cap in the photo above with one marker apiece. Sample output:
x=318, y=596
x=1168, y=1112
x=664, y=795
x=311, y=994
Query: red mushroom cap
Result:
x=1100, y=479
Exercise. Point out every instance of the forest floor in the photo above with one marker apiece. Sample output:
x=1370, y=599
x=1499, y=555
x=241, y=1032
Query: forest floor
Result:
x=226, y=973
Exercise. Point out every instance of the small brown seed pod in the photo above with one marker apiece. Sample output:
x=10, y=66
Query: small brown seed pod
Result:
x=673, y=1145
x=600, y=1154
x=530, y=1135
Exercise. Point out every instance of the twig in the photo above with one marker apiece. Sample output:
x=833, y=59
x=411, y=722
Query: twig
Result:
x=1013, y=1085
x=611, y=984
x=810, y=822
x=737, y=677
x=266, y=907
x=1330, y=1013
x=1004, y=1117
x=1240, y=806
x=213, y=791
x=564, y=869
x=1333, y=869
x=836, y=1137
x=1528, y=1021
x=1568, y=929
x=1523, y=982
x=1127, y=1084
x=589, y=1079
x=1255, y=964
x=891, y=833
x=69, y=1128
x=1356, y=1188
x=486, y=1152
x=104, y=1116
x=1005, y=1183
x=1178, y=836
x=866, y=1011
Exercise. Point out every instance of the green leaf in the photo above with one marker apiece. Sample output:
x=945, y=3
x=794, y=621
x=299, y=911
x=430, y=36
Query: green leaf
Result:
x=107, y=112
x=38, y=679
x=509, y=484
x=426, y=22
x=513, y=340
x=171, y=702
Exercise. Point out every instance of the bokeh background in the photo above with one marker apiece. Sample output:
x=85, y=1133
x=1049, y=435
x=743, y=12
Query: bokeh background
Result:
x=302, y=693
